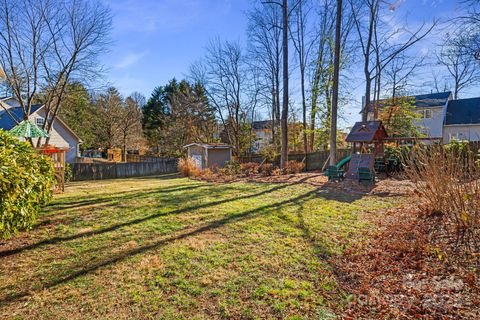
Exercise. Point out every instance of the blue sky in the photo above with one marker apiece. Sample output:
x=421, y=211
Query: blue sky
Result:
x=156, y=40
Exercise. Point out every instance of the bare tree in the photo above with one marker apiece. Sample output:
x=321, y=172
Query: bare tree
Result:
x=460, y=63
x=222, y=73
x=24, y=41
x=265, y=48
x=109, y=105
x=399, y=73
x=129, y=125
x=303, y=47
x=321, y=73
x=46, y=44
x=139, y=99
x=376, y=46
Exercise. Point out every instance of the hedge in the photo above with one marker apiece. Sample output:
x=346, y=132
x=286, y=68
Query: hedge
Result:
x=26, y=183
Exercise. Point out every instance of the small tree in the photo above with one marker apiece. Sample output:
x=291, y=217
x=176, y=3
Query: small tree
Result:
x=129, y=125
x=399, y=116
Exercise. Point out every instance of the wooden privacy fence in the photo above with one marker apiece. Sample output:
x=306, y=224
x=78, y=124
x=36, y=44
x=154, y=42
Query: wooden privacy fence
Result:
x=139, y=158
x=100, y=171
x=313, y=160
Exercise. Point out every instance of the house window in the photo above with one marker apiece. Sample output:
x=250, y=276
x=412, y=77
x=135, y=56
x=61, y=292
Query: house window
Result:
x=40, y=121
x=427, y=114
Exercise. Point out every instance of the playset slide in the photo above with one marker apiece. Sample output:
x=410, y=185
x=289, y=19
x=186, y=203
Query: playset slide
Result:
x=339, y=172
x=364, y=160
x=343, y=162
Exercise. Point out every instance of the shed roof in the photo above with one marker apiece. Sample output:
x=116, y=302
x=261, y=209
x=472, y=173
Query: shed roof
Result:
x=210, y=145
x=367, y=131
x=463, y=111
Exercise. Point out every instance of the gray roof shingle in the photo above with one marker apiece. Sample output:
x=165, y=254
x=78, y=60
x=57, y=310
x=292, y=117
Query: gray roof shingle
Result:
x=6, y=121
x=463, y=111
x=367, y=132
x=428, y=100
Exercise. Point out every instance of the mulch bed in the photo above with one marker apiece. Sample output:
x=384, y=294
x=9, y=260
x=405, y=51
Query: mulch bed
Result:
x=401, y=272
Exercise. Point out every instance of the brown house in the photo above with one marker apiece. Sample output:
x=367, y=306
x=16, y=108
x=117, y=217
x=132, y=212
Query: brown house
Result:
x=209, y=155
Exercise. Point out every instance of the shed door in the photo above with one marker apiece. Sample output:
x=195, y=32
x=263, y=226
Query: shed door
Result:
x=198, y=160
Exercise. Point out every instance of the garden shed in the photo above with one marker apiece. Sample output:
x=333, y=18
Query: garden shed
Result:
x=209, y=155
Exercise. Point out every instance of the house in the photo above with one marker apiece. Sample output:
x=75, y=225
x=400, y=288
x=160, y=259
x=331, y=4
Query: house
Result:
x=263, y=134
x=209, y=155
x=432, y=108
x=462, y=120
x=61, y=135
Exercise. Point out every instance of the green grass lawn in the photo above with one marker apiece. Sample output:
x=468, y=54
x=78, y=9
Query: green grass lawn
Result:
x=174, y=248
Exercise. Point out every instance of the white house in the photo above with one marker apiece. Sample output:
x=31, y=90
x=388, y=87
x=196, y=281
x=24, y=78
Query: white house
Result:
x=60, y=136
x=462, y=120
x=263, y=134
x=443, y=117
x=432, y=108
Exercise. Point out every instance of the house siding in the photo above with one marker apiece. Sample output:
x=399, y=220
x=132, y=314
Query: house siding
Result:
x=263, y=139
x=461, y=132
x=432, y=127
x=60, y=137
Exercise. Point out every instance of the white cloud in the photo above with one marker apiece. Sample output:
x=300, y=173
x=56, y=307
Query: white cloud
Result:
x=130, y=59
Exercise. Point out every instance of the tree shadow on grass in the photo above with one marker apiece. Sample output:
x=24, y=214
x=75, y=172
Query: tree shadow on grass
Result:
x=125, y=195
x=183, y=234
x=59, y=239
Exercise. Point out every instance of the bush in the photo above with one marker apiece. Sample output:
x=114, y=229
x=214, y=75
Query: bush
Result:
x=232, y=168
x=447, y=181
x=206, y=174
x=278, y=171
x=250, y=168
x=266, y=169
x=396, y=156
x=293, y=166
x=187, y=167
x=26, y=183
x=68, y=172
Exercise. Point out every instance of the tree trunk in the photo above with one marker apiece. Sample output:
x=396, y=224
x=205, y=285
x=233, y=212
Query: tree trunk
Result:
x=336, y=67
x=304, y=109
x=284, y=122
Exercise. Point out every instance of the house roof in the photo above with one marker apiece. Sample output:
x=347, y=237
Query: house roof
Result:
x=260, y=125
x=6, y=121
x=428, y=100
x=210, y=145
x=367, y=131
x=463, y=111
x=432, y=99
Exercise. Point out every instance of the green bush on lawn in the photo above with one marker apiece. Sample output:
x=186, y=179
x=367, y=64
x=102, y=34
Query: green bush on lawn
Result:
x=26, y=182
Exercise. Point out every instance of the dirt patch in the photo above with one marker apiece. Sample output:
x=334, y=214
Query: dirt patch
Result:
x=398, y=273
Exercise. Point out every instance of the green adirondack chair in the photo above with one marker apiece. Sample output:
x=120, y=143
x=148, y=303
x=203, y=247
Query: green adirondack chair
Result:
x=365, y=175
x=334, y=174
